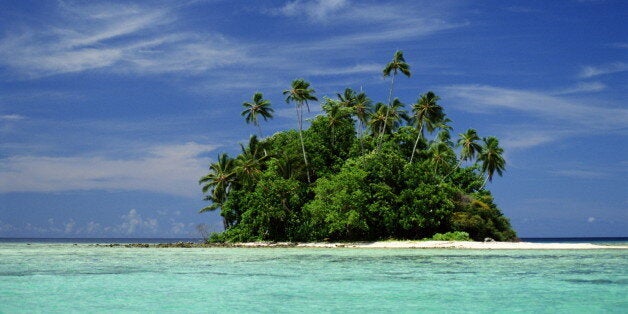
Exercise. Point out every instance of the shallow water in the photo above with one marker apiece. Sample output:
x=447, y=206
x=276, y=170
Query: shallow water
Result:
x=49, y=277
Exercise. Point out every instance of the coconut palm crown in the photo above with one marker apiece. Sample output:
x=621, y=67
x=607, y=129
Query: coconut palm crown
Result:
x=427, y=114
x=259, y=106
x=491, y=158
x=469, y=146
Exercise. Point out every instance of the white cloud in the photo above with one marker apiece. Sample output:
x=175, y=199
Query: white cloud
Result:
x=541, y=105
x=119, y=38
x=93, y=228
x=554, y=117
x=356, y=69
x=69, y=226
x=11, y=117
x=582, y=87
x=620, y=45
x=318, y=10
x=6, y=227
x=528, y=137
x=133, y=223
x=363, y=23
x=591, y=71
x=590, y=219
x=580, y=173
x=171, y=169
x=591, y=171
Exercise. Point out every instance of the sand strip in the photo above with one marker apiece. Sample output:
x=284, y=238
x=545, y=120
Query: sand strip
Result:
x=441, y=245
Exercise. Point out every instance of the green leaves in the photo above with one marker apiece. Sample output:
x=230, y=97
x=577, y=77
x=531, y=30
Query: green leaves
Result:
x=259, y=106
x=469, y=146
x=398, y=63
x=357, y=188
x=491, y=158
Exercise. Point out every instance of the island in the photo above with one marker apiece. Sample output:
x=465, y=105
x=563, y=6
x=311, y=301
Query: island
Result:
x=363, y=170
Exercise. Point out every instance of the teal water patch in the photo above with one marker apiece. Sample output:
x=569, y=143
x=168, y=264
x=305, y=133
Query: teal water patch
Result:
x=82, y=278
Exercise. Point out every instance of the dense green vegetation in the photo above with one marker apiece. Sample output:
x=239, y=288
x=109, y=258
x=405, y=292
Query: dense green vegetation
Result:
x=361, y=171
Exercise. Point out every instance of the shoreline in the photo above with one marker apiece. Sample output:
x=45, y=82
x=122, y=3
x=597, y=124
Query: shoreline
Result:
x=468, y=245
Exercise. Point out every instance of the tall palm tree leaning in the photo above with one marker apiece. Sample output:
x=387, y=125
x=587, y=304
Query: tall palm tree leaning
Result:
x=428, y=113
x=259, y=106
x=491, y=158
x=300, y=93
x=218, y=182
x=398, y=64
x=469, y=147
x=362, y=109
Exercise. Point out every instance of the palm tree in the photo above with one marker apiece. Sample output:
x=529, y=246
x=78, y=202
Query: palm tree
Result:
x=336, y=111
x=362, y=109
x=301, y=93
x=348, y=98
x=287, y=165
x=248, y=165
x=398, y=64
x=259, y=106
x=469, y=146
x=444, y=135
x=441, y=155
x=378, y=118
x=427, y=114
x=491, y=158
x=218, y=182
x=387, y=118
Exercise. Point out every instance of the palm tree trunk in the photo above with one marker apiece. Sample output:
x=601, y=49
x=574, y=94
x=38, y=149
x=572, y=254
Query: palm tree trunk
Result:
x=383, y=128
x=362, y=128
x=300, y=118
x=485, y=181
x=416, y=143
x=453, y=170
x=259, y=127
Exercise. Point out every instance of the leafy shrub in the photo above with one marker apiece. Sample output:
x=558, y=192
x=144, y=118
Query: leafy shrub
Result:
x=451, y=236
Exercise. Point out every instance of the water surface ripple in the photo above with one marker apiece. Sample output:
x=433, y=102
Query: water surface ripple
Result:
x=55, y=278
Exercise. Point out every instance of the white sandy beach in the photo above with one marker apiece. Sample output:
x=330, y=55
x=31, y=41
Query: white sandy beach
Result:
x=442, y=245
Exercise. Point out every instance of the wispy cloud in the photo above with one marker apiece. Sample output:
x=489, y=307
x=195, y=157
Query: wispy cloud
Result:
x=541, y=105
x=580, y=173
x=372, y=68
x=620, y=45
x=553, y=117
x=117, y=37
x=582, y=87
x=11, y=117
x=592, y=71
x=528, y=136
x=318, y=10
x=362, y=23
x=171, y=169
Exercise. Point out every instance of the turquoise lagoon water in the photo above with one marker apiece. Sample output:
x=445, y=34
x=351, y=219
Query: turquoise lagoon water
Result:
x=54, y=278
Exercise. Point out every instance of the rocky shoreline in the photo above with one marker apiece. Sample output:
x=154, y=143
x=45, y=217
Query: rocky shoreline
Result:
x=381, y=245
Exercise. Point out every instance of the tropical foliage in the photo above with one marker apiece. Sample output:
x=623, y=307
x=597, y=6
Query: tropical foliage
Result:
x=258, y=107
x=358, y=172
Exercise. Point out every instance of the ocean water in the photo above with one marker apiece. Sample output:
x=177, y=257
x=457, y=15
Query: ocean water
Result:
x=66, y=277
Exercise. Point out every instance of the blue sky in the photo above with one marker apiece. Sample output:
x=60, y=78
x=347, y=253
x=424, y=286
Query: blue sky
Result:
x=111, y=111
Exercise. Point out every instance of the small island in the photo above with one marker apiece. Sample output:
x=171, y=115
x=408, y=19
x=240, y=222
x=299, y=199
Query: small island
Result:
x=362, y=171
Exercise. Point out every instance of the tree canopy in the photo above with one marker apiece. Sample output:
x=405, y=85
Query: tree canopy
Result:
x=358, y=172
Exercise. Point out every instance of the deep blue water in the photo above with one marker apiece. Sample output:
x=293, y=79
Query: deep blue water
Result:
x=594, y=240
